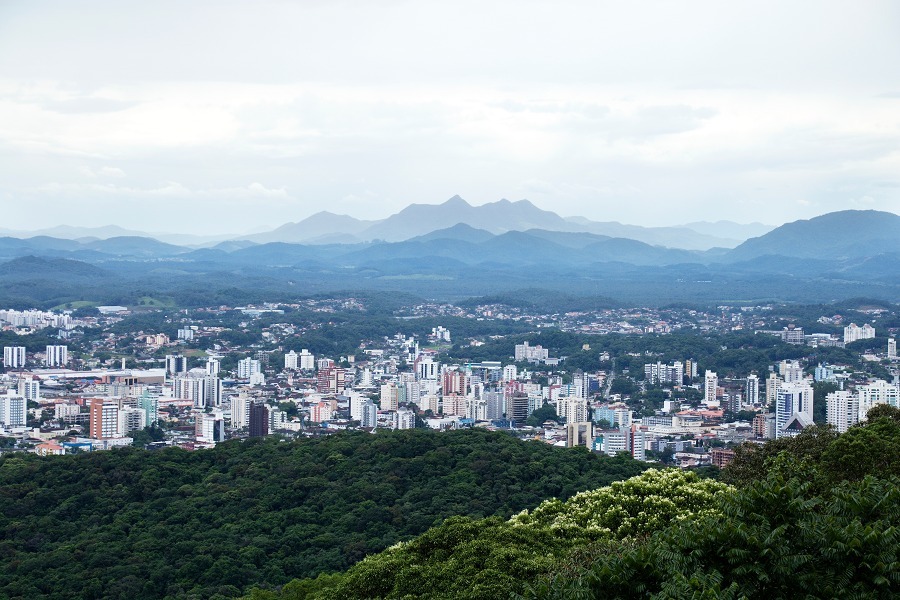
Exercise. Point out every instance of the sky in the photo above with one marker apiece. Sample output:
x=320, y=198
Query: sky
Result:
x=235, y=117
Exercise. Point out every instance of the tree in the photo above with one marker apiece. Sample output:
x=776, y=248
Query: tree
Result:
x=544, y=413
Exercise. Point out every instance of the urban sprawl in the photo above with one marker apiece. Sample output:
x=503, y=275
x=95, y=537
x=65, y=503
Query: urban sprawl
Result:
x=236, y=372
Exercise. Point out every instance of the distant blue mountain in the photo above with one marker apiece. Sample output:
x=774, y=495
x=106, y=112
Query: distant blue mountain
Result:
x=833, y=236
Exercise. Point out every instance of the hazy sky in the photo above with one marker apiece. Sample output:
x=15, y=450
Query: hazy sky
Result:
x=239, y=116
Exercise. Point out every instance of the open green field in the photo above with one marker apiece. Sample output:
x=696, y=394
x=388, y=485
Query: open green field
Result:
x=76, y=304
x=161, y=302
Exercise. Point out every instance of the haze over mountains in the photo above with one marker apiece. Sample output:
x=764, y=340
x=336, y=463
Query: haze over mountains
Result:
x=505, y=246
x=420, y=219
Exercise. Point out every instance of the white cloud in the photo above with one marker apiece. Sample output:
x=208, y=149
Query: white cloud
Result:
x=652, y=112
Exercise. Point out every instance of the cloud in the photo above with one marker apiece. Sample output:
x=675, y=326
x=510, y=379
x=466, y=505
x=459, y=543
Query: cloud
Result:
x=102, y=172
x=87, y=105
x=169, y=189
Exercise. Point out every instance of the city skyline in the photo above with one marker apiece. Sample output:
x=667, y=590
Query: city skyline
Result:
x=213, y=118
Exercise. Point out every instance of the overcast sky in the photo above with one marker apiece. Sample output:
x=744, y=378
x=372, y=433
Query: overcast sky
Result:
x=240, y=116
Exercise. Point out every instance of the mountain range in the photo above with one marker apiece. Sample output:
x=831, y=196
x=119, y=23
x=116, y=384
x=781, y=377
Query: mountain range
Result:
x=496, y=217
x=842, y=254
x=420, y=219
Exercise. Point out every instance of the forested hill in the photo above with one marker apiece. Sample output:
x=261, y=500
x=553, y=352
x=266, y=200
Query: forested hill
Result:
x=133, y=524
x=815, y=516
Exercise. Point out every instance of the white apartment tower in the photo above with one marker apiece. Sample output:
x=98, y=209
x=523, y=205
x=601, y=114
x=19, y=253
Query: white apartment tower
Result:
x=853, y=333
x=710, y=383
x=30, y=388
x=247, y=367
x=307, y=361
x=14, y=357
x=427, y=368
x=790, y=371
x=752, y=390
x=56, y=356
x=877, y=392
x=13, y=410
x=240, y=411
x=291, y=360
x=213, y=365
x=842, y=409
x=892, y=348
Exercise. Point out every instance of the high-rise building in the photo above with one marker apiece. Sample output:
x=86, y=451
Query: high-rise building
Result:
x=454, y=404
x=524, y=352
x=30, y=388
x=427, y=368
x=751, y=391
x=579, y=434
x=307, y=360
x=175, y=364
x=795, y=398
x=406, y=419
x=259, y=419
x=369, y=414
x=877, y=392
x=104, y=418
x=213, y=366
x=14, y=357
x=690, y=368
x=390, y=397
x=150, y=405
x=854, y=333
x=842, y=409
x=494, y=405
x=658, y=373
x=454, y=382
x=131, y=419
x=291, y=360
x=323, y=411
x=572, y=409
x=240, y=411
x=205, y=390
x=428, y=402
x=13, y=410
x=773, y=384
x=517, y=408
x=790, y=371
x=331, y=380
x=209, y=427
x=710, y=386
x=247, y=367
x=892, y=348
x=56, y=356
x=793, y=335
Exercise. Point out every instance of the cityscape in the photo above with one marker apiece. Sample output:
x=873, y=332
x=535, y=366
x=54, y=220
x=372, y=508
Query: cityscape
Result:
x=423, y=300
x=195, y=382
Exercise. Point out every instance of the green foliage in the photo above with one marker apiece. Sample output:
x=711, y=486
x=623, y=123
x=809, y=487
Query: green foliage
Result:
x=775, y=539
x=544, y=413
x=490, y=558
x=173, y=524
x=817, y=516
x=151, y=433
x=623, y=385
x=870, y=448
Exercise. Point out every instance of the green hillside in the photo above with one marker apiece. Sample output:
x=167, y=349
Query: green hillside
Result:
x=210, y=524
x=817, y=516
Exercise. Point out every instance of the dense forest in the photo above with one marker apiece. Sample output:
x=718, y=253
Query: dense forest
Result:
x=208, y=524
x=816, y=516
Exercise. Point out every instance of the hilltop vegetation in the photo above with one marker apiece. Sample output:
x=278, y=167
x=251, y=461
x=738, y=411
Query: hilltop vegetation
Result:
x=817, y=516
x=209, y=524
x=494, y=558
